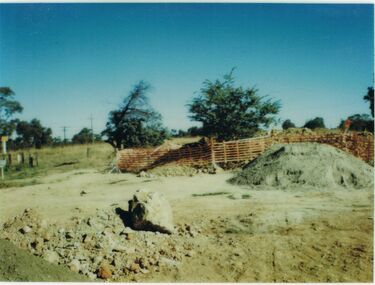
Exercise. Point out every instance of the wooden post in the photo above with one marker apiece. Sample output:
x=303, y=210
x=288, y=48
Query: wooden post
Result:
x=225, y=153
x=212, y=150
x=9, y=159
x=238, y=151
x=36, y=159
x=88, y=152
x=22, y=158
x=31, y=161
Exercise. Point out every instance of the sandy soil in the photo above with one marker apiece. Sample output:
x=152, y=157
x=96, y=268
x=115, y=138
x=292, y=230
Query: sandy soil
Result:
x=266, y=235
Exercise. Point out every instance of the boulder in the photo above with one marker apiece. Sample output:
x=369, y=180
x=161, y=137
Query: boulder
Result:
x=150, y=211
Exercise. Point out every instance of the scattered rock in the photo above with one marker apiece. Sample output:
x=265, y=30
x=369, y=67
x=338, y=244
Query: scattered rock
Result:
x=75, y=265
x=51, y=256
x=104, y=271
x=26, y=230
x=150, y=211
x=134, y=267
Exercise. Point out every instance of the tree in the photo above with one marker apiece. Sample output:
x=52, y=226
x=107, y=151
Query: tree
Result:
x=32, y=134
x=317, y=123
x=84, y=136
x=135, y=123
x=369, y=97
x=8, y=107
x=287, y=124
x=359, y=123
x=229, y=112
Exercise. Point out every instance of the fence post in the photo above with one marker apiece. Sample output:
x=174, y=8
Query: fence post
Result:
x=225, y=153
x=22, y=158
x=31, y=161
x=36, y=159
x=238, y=151
x=212, y=150
x=9, y=159
x=88, y=152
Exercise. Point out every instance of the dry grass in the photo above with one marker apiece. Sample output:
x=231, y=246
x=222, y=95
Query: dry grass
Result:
x=56, y=160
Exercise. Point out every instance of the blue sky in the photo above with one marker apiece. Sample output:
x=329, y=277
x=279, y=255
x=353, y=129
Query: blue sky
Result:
x=66, y=61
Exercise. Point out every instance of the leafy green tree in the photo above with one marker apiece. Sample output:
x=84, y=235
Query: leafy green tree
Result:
x=8, y=108
x=359, y=123
x=316, y=123
x=135, y=123
x=287, y=124
x=85, y=136
x=230, y=112
x=32, y=134
x=369, y=97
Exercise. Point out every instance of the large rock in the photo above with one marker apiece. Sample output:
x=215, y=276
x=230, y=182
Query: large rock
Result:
x=150, y=211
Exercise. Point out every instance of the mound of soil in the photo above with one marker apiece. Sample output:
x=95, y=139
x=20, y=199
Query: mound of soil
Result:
x=19, y=265
x=310, y=164
x=98, y=246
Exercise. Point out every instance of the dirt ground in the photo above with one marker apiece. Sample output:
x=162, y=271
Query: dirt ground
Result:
x=268, y=235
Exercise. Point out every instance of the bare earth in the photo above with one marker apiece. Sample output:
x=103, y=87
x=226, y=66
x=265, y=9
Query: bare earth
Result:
x=268, y=235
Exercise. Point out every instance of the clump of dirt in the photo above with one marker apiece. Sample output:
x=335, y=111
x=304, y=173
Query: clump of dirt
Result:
x=310, y=164
x=100, y=246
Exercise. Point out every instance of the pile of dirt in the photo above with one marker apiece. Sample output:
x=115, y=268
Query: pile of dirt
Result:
x=310, y=164
x=169, y=170
x=100, y=246
x=19, y=265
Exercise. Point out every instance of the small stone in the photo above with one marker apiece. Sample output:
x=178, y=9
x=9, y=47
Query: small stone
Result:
x=135, y=267
x=190, y=253
x=104, y=271
x=51, y=256
x=74, y=265
x=129, y=236
x=91, y=276
x=61, y=231
x=26, y=229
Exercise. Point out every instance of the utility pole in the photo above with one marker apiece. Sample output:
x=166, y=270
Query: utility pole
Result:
x=64, y=130
x=92, y=129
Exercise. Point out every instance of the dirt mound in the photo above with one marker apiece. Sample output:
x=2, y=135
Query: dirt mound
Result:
x=99, y=246
x=310, y=164
x=19, y=265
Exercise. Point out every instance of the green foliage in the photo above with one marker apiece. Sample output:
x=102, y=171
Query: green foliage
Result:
x=359, y=123
x=229, y=112
x=32, y=134
x=287, y=124
x=85, y=136
x=8, y=107
x=369, y=97
x=316, y=123
x=135, y=123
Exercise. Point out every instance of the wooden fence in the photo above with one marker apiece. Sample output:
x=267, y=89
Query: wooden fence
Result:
x=209, y=151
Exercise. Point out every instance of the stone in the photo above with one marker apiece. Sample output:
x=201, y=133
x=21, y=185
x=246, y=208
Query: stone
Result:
x=26, y=230
x=51, y=256
x=104, y=271
x=134, y=267
x=150, y=211
x=75, y=265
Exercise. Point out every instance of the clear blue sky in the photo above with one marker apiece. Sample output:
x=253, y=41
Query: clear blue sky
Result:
x=65, y=61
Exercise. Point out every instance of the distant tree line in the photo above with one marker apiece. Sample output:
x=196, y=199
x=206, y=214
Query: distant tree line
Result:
x=224, y=110
x=32, y=134
x=358, y=122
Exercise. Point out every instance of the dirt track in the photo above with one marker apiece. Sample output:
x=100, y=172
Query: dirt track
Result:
x=266, y=235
